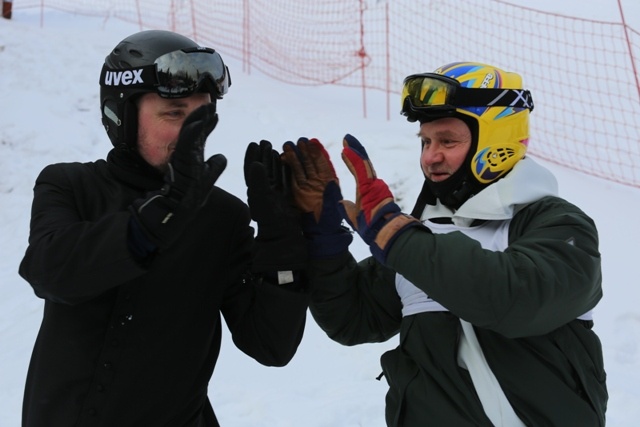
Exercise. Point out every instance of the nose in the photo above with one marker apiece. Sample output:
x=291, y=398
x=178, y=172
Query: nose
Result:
x=431, y=154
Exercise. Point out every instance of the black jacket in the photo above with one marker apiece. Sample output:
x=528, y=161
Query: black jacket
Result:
x=128, y=343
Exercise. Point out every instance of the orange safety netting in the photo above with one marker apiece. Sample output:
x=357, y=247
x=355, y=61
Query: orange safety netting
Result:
x=582, y=73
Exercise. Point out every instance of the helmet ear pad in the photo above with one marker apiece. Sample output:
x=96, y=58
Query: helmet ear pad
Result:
x=130, y=121
x=500, y=147
x=120, y=120
x=110, y=118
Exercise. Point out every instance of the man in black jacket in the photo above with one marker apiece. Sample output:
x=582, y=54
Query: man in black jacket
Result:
x=137, y=256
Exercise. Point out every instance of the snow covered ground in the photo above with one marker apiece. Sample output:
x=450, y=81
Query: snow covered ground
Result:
x=49, y=112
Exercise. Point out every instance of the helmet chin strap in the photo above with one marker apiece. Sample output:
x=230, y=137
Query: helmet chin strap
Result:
x=455, y=190
x=442, y=189
x=452, y=192
x=456, y=197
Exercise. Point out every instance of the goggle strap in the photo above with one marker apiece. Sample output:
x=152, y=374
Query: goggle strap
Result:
x=477, y=97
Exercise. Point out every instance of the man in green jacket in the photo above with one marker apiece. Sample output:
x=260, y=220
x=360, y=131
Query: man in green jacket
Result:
x=490, y=281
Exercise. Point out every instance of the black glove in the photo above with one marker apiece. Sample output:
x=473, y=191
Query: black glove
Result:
x=163, y=215
x=279, y=245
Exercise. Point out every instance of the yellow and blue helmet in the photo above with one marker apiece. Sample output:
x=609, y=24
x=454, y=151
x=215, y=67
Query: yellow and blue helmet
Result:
x=491, y=101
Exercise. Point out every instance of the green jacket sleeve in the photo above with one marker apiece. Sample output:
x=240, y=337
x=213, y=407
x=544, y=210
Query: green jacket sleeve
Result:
x=354, y=303
x=549, y=274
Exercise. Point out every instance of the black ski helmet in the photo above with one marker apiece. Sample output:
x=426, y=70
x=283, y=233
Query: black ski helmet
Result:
x=167, y=63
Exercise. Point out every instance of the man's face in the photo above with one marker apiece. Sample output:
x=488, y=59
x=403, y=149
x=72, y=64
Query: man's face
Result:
x=159, y=123
x=445, y=144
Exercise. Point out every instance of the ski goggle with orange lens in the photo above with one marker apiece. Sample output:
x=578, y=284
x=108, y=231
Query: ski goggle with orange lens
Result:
x=176, y=74
x=435, y=95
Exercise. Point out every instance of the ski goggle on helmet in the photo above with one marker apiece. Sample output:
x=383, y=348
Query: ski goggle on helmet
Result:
x=176, y=74
x=182, y=72
x=491, y=101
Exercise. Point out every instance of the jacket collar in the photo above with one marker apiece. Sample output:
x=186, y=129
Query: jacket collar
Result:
x=130, y=168
x=527, y=182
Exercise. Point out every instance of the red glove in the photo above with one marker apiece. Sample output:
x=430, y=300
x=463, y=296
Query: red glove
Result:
x=375, y=215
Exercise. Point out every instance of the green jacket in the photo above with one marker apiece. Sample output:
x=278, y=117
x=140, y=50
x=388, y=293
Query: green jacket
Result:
x=523, y=303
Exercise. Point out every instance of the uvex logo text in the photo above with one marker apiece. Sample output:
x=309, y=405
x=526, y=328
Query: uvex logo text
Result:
x=128, y=77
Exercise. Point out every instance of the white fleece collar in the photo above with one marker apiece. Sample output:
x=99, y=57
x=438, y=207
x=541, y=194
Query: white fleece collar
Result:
x=527, y=182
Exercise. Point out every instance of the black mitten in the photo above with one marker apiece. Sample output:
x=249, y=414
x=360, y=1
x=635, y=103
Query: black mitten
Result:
x=164, y=214
x=280, y=246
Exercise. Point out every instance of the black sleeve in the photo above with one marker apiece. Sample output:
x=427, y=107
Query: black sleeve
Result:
x=355, y=303
x=78, y=242
x=547, y=276
x=266, y=321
